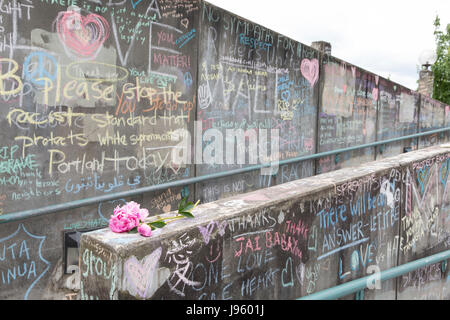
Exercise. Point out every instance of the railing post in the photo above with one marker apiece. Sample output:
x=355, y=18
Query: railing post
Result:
x=359, y=296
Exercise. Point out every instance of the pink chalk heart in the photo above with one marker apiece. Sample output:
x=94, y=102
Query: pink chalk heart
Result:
x=310, y=70
x=140, y=275
x=83, y=35
x=447, y=111
x=375, y=94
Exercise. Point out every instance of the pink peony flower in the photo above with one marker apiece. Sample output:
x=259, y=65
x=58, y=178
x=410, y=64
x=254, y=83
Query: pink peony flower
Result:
x=135, y=208
x=123, y=220
x=132, y=208
x=128, y=217
x=145, y=230
x=143, y=214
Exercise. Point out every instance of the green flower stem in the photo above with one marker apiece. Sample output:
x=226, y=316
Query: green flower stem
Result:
x=173, y=219
x=168, y=219
x=184, y=211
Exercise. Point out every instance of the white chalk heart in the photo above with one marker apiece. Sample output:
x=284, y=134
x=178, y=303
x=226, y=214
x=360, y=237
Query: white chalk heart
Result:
x=185, y=22
x=140, y=275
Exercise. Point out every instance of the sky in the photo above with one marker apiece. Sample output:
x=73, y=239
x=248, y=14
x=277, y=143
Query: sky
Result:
x=385, y=37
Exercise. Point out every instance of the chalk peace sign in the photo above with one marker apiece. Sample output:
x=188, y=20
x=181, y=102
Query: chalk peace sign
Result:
x=38, y=66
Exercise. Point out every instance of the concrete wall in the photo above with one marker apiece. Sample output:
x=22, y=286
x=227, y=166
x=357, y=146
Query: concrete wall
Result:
x=97, y=106
x=289, y=240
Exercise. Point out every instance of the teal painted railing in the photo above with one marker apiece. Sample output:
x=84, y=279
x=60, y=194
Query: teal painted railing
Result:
x=358, y=285
x=10, y=217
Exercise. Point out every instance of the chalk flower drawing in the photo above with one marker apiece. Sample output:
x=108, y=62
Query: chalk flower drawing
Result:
x=130, y=218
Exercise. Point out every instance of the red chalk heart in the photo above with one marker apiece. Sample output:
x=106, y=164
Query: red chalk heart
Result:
x=83, y=35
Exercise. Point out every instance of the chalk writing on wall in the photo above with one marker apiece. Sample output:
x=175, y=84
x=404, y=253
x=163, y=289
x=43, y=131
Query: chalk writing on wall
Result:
x=303, y=242
x=298, y=247
x=349, y=98
x=22, y=261
x=425, y=222
x=91, y=100
x=251, y=78
x=397, y=116
x=432, y=116
x=97, y=261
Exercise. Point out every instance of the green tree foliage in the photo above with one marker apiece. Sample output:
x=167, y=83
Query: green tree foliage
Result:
x=441, y=68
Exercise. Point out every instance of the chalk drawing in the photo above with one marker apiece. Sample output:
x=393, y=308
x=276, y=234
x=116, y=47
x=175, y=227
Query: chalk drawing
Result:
x=310, y=70
x=135, y=3
x=422, y=176
x=142, y=278
x=82, y=35
x=287, y=275
x=105, y=208
x=444, y=171
x=185, y=22
x=39, y=65
x=207, y=231
x=387, y=192
x=25, y=253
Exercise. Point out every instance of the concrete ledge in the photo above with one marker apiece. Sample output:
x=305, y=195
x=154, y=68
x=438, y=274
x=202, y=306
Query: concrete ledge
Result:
x=283, y=242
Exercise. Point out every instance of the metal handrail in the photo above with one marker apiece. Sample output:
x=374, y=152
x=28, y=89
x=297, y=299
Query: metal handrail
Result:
x=10, y=217
x=362, y=283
